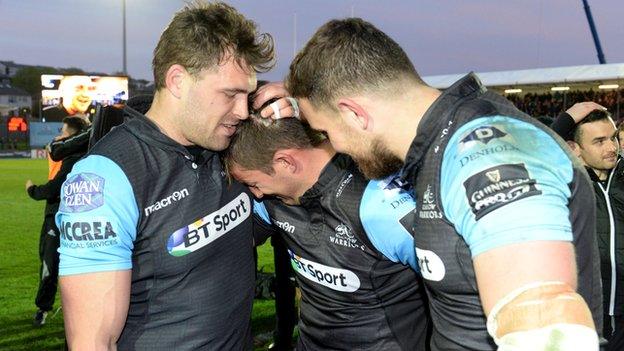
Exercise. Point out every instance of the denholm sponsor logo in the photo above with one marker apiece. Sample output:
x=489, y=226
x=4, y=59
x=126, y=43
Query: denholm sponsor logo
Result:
x=333, y=278
x=209, y=228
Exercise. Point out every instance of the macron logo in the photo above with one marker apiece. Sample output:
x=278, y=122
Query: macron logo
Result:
x=287, y=227
x=176, y=196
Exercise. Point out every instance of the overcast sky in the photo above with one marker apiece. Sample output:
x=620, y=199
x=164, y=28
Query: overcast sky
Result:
x=440, y=36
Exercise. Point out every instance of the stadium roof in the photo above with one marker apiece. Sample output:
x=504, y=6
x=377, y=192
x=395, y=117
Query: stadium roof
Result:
x=539, y=77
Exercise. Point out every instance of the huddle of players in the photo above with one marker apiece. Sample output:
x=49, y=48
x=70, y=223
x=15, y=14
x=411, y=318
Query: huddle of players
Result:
x=470, y=203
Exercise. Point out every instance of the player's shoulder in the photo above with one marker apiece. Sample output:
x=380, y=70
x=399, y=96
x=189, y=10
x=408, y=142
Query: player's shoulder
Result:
x=90, y=178
x=383, y=197
x=497, y=135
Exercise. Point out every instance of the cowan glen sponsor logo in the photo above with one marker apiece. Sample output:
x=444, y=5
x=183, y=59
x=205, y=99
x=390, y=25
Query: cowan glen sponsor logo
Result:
x=88, y=233
x=209, y=228
x=162, y=203
x=333, y=278
x=82, y=192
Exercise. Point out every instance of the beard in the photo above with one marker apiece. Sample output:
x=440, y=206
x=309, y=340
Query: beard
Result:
x=379, y=162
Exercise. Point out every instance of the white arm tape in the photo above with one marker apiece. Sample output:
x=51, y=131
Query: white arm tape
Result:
x=561, y=336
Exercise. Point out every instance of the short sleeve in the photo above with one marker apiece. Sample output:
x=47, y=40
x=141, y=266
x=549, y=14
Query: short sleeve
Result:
x=386, y=212
x=97, y=218
x=506, y=181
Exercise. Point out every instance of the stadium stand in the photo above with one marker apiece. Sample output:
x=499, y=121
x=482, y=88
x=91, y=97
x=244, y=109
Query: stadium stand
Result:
x=546, y=92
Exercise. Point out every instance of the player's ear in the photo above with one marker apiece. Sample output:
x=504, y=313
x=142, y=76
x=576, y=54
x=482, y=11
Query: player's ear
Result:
x=174, y=79
x=285, y=162
x=575, y=147
x=354, y=113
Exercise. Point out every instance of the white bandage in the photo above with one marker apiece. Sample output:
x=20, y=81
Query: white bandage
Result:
x=559, y=337
x=565, y=335
x=276, y=110
x=275, y=106
x=295, y=106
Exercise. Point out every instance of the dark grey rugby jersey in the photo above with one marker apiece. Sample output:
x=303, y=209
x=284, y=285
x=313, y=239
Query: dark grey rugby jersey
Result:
x=140, y=197
x=352, y=254
x=486, y=175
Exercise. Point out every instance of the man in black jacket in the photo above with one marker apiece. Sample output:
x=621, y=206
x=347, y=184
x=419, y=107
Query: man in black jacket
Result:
x=49, y=239
x=592, y=136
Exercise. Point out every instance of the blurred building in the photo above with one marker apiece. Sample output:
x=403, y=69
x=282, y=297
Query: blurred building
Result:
x=9, y=68
x=11, y=98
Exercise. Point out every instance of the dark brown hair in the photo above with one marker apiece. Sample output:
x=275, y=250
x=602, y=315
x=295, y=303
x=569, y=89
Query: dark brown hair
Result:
x=256, y=142
x=345, y=56
x=202, y=34
x=594, y=116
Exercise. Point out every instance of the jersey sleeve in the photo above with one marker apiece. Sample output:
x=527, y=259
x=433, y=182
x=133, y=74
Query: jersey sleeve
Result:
x=506, y=181
x=97, y=218
x=262, y=225
x=261, y=211
x=386, y=212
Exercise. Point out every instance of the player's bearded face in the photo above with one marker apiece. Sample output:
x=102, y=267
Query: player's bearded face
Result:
x=376, y=161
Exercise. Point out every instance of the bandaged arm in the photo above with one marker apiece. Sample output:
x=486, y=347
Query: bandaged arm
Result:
x=528, y=292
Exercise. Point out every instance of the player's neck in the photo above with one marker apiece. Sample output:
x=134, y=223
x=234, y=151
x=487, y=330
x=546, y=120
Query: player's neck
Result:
x=602, y=174
x=317, y=159
x=407, y=110
x=161, y=114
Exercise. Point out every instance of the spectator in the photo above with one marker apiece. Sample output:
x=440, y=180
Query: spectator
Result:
x=49, y=236
x=548, y=104
x=621, y=136
x=592, y=136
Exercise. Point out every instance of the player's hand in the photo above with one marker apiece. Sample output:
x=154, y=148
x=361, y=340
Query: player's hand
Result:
x=29, y=183
x=283, y=106
x=580, y=110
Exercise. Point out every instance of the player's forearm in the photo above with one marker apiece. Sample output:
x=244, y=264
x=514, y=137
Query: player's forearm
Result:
x=89, y=331
x=82, y=342
x=95, y=307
